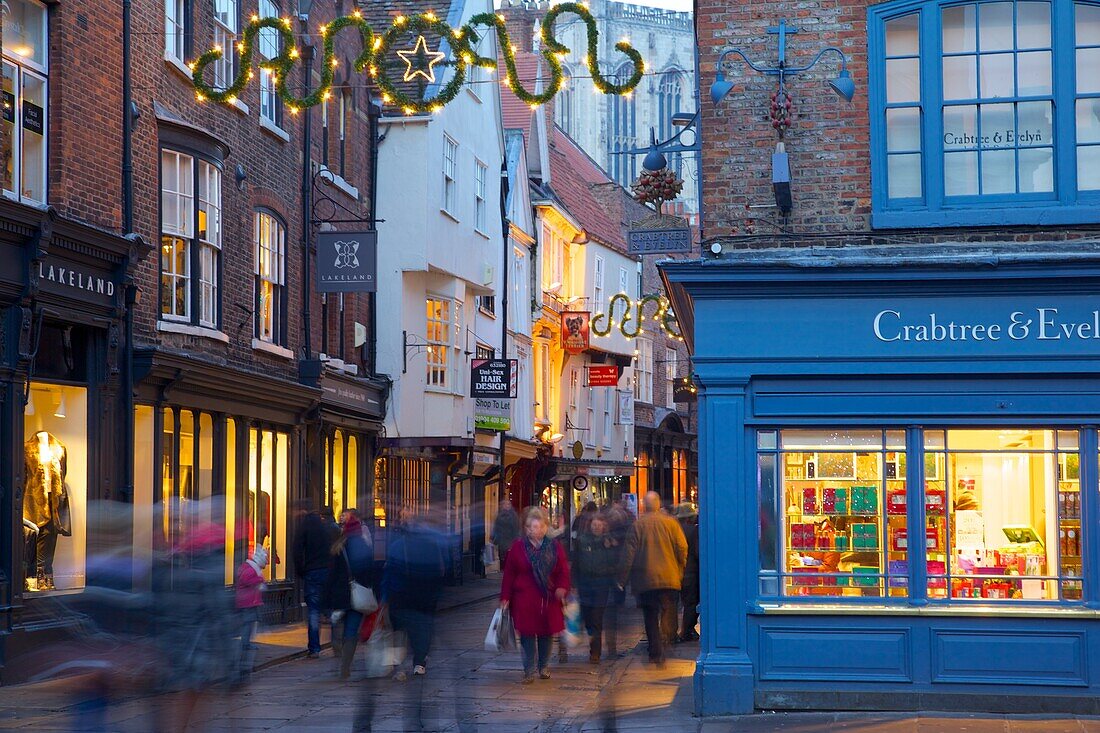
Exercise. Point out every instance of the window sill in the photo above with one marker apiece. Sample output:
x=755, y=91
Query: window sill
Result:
x=475, y=95
x=487, y=312
x=982, y=611
x=1020, y=215
x=178, y=66
x=337, y=180
x=274, y=130
x=274, y=349
x=26, y=201
x=187, y=329
x=478, y=231
x=450, y=216
x=240, y=107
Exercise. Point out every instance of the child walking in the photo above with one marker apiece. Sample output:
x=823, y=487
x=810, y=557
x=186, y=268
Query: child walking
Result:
x=250, y=587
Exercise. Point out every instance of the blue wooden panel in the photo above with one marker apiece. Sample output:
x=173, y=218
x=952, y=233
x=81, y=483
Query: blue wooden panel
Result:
x=931, y=403
x=835, y=654
x=991, y=657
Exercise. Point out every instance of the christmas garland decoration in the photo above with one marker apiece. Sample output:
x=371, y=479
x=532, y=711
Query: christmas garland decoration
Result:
x=377, y=46
x=602, y=323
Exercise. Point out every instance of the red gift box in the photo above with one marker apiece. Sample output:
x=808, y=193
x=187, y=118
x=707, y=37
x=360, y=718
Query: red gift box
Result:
x=895, y=502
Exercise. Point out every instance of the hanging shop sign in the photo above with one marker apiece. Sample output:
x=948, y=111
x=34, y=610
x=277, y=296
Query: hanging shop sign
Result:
x=419, y=62
x=579, y=483
x=493, y=378
x=493, y=414
x=603, y=376
x=684, y=391
x=347, y=262
x=574, y=331
x=658, y=241
x=626, y=407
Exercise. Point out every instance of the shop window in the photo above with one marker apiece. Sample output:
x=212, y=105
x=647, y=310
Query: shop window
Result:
x=830, y=524
x=55, y=487
x=226, y=22
x=186, y=474
x=191, y=239
x=266, y=497
x=271, y=107
x=270, y=268
x=342, y=472
x=25, y=99
x=235, y=552
x=1003, y=514
x=985, y=112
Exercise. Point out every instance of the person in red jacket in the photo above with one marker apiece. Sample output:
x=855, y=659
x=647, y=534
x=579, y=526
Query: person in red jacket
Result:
x=536, y=579
x=249, y=588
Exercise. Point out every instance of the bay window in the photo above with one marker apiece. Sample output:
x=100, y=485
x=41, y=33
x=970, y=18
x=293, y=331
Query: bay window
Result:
x=444, y=333
x=985, y=112
x=190, y=239
x=25, y=99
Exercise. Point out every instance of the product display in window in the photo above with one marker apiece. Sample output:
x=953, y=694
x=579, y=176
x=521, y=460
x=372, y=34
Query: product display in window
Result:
x=54, y=487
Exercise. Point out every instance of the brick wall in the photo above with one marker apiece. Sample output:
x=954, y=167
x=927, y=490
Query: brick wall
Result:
x=829, y=142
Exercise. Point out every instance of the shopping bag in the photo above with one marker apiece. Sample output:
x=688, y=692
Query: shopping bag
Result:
x=489, y=554
x=492, y=642
x=506, y=633
x=367, y=627
x=362, y=598
x=574, y=633
x=384, y=650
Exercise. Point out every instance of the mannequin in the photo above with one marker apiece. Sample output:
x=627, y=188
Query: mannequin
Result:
x=45, y=501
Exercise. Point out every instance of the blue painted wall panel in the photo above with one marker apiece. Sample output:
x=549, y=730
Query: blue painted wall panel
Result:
x=807, y=653
x=1034, y=657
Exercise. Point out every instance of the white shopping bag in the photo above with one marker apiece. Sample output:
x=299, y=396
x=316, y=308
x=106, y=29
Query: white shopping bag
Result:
x=492, y=640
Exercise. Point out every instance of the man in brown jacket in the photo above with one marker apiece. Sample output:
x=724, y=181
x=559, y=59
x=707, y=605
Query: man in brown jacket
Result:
x=653, y=561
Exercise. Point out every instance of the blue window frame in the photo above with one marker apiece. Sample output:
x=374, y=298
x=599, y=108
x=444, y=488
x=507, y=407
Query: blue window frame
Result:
x=978, y=114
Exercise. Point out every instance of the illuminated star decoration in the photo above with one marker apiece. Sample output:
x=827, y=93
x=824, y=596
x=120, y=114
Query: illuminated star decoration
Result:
x=423, y=59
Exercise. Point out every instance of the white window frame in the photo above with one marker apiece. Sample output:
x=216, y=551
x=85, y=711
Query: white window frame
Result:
x=624, y=282
x=270, y=271
x=643, y=371
x=543, y=393
x=590, y=408
x=268, y=42
x=450, y=176
x=481, y=175
x=175, y=29
x=597, y=285
x=227, y=15
x=608, y=395
x=553, y=258
x=444, y=343
x=210, y=246
x=22, y=68
x=195, y=184
x=177, y=180
x=672, y=363
x=574, y=395
x=520, y=306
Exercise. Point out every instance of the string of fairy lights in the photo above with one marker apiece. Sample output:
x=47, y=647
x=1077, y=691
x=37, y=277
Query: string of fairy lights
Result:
x=420, y=61
x=602, y=323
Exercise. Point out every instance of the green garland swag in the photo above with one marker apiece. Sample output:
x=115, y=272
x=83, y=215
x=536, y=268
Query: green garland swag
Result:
x=664, y=316
x=376, y=46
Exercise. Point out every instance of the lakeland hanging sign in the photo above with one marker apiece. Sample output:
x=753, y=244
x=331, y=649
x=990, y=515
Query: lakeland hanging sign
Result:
x=347, y=262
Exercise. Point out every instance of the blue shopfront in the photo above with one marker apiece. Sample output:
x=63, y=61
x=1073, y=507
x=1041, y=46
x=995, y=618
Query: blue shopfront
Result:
x=898, y=477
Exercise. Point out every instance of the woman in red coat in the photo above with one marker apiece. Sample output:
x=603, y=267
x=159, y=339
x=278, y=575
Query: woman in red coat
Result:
x=536, y=579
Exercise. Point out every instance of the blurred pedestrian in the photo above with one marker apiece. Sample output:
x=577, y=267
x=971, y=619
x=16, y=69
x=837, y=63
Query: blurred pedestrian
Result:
x=416, y=563
x=580, y=522
x=350, y=559
x=536, y=580
x=595, y=563
x=653, y=561
x=312, y=544
x=250, y=588
x=620, y=521
x=505, y=530
x=688, y=517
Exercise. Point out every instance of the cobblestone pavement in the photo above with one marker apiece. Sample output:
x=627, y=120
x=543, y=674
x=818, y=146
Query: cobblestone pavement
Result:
x=470, y=690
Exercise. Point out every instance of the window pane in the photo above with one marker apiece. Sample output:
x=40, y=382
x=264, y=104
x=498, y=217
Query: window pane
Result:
x=8, y=170
x=25, y=30
x=960, y=77
x=830, y=438
x=1032, y=25
x=903, y=80
x=1088, y=120
x=1088, y=61
x=768, y=511
x=999, y=171
x=904, y=176
x=903, y=36
x=998, y=125
x=1034, y=73
x=1088, y=168
x=995, y=26
x=960, y=173
x=1087, y=24
x=33, y=126
x=996, y=75
x=959, y=29
x=1034, y=126
x=903, y=129
x=1069, y=440
x=960, y=127
x=1036, y=170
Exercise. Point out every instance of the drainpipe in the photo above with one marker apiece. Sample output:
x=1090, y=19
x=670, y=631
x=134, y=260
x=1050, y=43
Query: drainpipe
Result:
x=373, y=111
x=307, y=196
x=127, y=488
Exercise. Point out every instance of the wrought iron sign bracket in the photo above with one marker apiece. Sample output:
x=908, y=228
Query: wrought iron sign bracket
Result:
x=327, y=210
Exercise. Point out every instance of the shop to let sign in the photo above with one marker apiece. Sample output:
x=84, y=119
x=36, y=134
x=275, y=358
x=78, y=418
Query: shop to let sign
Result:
x=493, y=378
x=603, y=376
x=574, y=331
x=493, y=414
